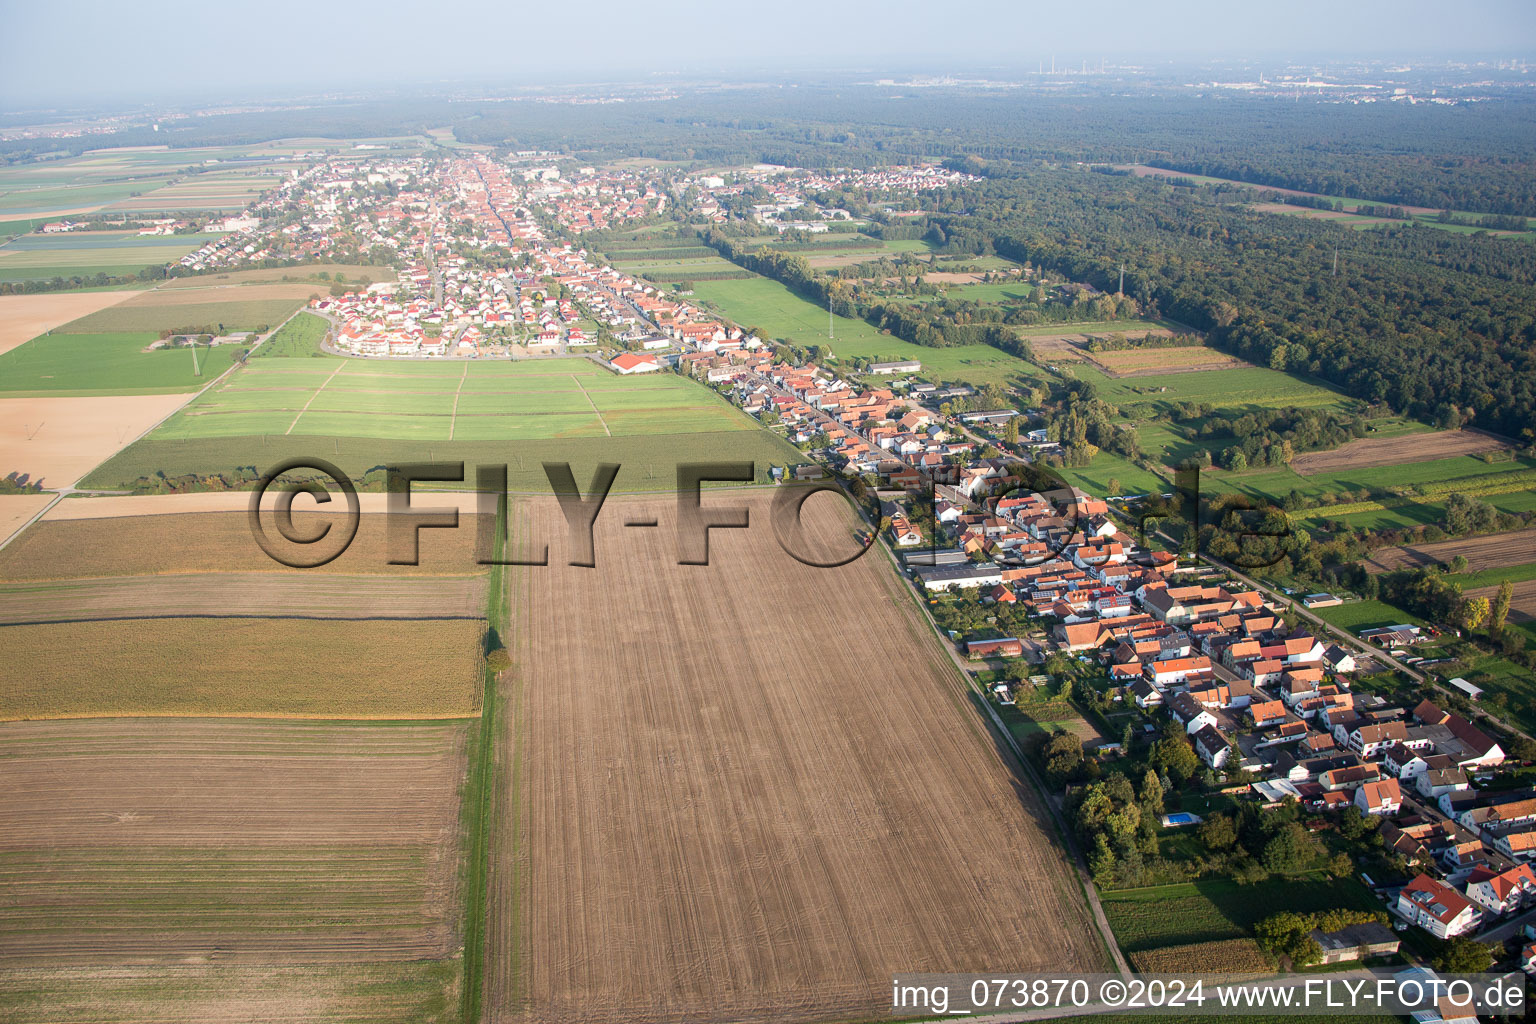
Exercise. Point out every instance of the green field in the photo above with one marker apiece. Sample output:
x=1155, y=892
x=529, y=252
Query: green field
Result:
x=1464, y=472
x=1239, y=387
x=448, y=400
x=228, y=314
x=299, y=338
x=109, y=364
x=365, y=413
x=760, y=302
x=648, y=462
x=1357, y=615
x=1210, y=909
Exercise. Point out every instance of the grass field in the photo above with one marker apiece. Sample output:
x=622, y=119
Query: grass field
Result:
x=219, y=310
x=1463, y=472
x=447, y=401
x=205, y=870
x=1240, y=387
x=1210, y=909
x=108, y=364
x=299, y=338
x=648, y=462
x=760, y=302
x=1357, y=615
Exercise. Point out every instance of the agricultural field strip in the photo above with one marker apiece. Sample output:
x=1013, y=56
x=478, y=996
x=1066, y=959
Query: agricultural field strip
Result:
x=1488, y=551
x=1370, y=452
x=242, y=595
x=457, y=392
x=285, y=842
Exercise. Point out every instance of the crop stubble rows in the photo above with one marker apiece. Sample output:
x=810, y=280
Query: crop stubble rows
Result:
x=753, y=791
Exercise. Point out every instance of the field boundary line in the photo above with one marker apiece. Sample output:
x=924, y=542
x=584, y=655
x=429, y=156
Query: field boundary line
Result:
x=595, y=409
x=301, y=412
x=454, y=415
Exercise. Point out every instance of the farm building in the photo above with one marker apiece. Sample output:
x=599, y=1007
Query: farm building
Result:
x=961, y=576
x=1003, y=647
x=1355, y=942
x=1474, y=692
x=629, y=362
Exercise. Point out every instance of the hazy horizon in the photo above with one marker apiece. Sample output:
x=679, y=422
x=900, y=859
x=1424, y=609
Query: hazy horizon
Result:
x=97, y=53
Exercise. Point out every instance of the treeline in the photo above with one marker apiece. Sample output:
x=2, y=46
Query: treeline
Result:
x=1430, y=323
x=1491, y=221
x=1384, y=212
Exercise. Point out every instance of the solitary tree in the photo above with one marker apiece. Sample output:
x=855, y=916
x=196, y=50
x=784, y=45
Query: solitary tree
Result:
x=1501, y=607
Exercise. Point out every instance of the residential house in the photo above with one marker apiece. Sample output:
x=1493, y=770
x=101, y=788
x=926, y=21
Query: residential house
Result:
x=1503, y=892
x=1384, y=797
x=1437, y=908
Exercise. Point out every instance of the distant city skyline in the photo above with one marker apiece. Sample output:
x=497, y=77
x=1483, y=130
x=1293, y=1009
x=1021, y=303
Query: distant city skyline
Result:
x=90, y=51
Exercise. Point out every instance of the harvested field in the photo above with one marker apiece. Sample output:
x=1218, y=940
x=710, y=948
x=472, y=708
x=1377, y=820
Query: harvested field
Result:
x=1366, y=452
x=24, y=317
x=253, y=292
x=216, y=542
x=113, y=506
x=730, y=805
x=1058, y=348
x=291, y=668
x=1522, y=606
x=354, y=274
x=1490, y=551
x=243, y=595
x=152, y=866
x=1184, y=359
x=16, y=509
x=175, y=310
x=59, y=440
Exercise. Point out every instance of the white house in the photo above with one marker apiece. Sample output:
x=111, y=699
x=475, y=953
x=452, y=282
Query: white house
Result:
x=1383, y=797
x=1503, y=892
x=1437, y=908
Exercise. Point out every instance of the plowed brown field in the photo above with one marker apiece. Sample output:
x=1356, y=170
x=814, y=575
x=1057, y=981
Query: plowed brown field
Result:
x=1365, y=452
x=1522, y=604
x=216, y=542
x=1489, y=551
x=751, y=791
x=244, y=594
x=147, y=850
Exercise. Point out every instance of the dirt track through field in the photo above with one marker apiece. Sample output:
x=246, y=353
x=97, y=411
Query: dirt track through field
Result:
x=266, y=595
x=1490, y=551
x=1366, y=452
x=752, y=790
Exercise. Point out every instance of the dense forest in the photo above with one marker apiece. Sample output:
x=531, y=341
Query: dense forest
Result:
x=1475, y=157
x=1436, y=325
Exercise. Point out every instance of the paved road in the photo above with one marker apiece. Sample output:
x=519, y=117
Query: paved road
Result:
x=1508, y=930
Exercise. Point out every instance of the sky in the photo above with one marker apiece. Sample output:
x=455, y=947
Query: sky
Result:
x=99, y=51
